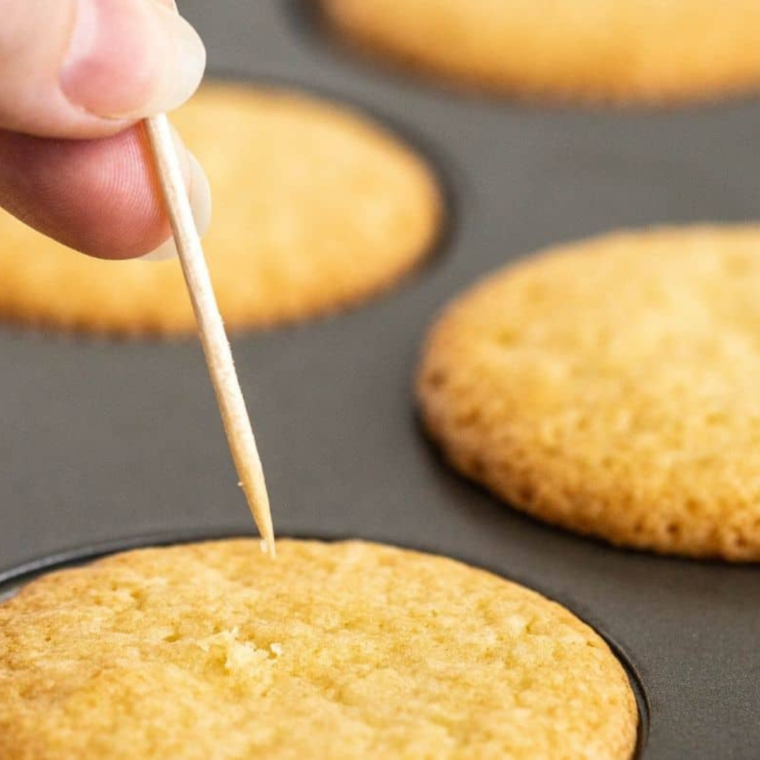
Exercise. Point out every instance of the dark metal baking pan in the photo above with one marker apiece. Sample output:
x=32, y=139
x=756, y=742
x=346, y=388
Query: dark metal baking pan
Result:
x=102, y=441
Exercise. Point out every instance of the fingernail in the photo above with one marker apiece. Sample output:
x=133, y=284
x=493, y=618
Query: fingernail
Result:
x=133, y=59
x=199, y=193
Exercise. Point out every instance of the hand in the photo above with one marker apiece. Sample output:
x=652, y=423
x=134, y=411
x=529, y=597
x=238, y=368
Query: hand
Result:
x=75, y=76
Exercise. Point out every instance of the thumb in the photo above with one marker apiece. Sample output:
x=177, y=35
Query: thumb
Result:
x=87, y=68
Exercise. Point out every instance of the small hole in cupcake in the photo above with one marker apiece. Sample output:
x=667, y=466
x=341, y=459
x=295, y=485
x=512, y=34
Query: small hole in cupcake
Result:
x=437, y=379
x=526, y=493
x=673, y=529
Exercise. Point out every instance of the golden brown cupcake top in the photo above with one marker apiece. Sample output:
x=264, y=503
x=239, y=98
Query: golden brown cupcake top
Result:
x=333, y=650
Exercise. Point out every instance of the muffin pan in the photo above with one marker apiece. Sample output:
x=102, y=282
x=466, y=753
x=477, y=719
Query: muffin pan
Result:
x=106, y=441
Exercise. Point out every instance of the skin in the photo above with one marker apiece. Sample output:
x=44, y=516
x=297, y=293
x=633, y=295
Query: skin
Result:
x=72, y=92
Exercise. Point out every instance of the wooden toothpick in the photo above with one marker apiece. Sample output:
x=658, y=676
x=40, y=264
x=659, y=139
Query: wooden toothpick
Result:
x=216, y=346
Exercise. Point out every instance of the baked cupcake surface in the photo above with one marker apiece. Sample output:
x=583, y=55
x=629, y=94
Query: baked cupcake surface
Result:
x=624, y=50
x=610, y=387
x=332, y=651
x=316, y=208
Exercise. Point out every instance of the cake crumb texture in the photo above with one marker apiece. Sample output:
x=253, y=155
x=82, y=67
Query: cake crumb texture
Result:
x=610, y=387
x=347, y=650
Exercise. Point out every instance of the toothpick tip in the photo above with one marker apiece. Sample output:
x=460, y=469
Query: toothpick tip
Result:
x=268, y=547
